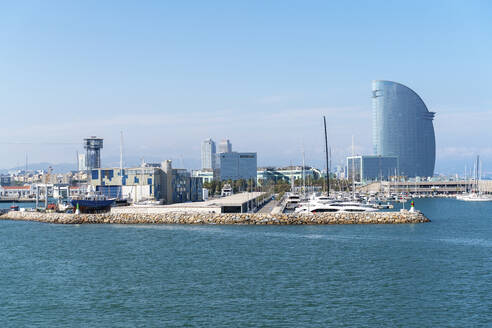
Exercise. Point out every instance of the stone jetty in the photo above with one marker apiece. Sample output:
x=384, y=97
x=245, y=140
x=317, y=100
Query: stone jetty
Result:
x=404, y=217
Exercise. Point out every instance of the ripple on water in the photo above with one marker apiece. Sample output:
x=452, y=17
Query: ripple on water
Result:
x=435, y=274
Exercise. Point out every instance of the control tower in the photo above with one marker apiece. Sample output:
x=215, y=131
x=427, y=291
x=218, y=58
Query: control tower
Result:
x=93, y=147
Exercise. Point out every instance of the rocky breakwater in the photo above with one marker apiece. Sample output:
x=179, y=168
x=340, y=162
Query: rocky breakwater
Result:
x=206, y=218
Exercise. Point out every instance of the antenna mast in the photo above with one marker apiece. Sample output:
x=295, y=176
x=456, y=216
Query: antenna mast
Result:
x=327, y=160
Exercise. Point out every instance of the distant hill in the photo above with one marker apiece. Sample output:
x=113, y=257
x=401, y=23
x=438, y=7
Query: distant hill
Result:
x=57, y=168
x=130, y=161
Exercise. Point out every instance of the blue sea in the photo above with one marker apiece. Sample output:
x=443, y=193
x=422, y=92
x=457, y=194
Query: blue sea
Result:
x=437, y=274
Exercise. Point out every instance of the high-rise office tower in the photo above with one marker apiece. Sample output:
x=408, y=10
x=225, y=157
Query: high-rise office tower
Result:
x=93, y=147
x=225, y=146
x=402, y=127
x=208, y=154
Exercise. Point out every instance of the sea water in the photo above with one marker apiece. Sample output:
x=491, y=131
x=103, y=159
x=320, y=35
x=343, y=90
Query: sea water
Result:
x=436, y=274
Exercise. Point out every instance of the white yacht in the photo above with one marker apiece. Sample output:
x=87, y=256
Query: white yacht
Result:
x=292, y=201
x=334, y=207
x=474, y=197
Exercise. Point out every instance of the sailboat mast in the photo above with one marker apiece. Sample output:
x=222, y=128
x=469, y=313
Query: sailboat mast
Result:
x=303, y=172
x=327, y=160
x=121, y=152
x=353, y=168
x=476, y=173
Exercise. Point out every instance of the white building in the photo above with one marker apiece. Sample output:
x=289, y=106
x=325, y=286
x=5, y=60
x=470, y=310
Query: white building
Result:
x=82, y=166
x=206, y=175
x=15, y=191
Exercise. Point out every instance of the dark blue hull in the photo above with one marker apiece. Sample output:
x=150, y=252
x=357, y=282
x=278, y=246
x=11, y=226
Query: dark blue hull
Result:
x=89, y=206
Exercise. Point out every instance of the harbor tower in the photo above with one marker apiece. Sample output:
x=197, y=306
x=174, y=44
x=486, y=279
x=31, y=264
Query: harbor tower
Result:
x=93, y=147
x=402, y=127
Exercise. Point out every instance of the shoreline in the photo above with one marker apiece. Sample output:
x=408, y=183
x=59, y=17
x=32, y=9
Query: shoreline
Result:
x=223, y=219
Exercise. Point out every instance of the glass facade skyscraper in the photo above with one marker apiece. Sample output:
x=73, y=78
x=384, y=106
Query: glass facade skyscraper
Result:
x=371, y=168
x=402, y=127
x=225, y=146
x=236, y=166
x=208, y=154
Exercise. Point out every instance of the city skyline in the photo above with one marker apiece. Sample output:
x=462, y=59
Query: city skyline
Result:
x=266, y=75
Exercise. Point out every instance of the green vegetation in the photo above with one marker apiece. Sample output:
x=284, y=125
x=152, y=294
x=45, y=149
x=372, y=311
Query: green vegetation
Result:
x=215, y=187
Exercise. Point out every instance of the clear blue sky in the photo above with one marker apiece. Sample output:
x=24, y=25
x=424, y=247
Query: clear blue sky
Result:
x=262, y=73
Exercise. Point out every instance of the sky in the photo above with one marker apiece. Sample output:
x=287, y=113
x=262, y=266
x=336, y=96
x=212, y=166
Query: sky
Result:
x=169, y=74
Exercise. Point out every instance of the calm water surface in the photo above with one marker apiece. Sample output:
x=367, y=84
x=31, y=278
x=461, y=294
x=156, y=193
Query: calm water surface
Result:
x=429, y=275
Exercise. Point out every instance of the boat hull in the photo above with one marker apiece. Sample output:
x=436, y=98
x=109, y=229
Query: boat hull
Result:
x=91, y=206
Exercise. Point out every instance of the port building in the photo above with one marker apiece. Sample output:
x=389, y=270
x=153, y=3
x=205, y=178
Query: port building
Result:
x=403, y=127
x=238, y=203
x=149, y=182
x=15, y=191
x=288, y=174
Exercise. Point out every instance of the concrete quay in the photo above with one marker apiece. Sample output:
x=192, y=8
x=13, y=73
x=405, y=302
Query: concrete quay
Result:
x=221, y=218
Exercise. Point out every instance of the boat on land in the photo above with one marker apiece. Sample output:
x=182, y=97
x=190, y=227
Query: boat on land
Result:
x=92, y=203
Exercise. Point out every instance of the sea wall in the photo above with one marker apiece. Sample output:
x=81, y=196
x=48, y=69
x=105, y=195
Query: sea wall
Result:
x=197, y=218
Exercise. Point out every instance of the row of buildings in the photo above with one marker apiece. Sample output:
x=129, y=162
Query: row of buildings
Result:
x=226, y=164
x=155, y=182
x=149, y=182
x=403, y=139
x=403, y=142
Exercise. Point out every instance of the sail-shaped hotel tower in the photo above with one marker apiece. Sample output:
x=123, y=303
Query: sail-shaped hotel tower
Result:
x=402, y=126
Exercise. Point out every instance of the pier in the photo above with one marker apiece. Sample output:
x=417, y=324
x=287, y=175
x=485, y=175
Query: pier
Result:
x=403, y=217
x=237, y=203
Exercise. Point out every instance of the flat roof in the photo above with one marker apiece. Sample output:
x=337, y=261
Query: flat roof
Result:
x=233, y=200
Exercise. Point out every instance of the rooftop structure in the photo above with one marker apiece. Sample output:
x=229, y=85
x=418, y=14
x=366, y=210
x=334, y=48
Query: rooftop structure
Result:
x=237, y=203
